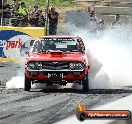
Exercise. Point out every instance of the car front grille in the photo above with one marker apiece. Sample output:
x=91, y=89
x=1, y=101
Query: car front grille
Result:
x=55, y=65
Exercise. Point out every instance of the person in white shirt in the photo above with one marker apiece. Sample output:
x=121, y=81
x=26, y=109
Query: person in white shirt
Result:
x=117, y=22
x=101, y=25
x=93, y=21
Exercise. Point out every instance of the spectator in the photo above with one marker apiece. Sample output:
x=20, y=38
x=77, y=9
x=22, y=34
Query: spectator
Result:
x=36, y=9
x=93, y=21
x=19, y=15
x=101, y=25
x=23, y=11
x=88, y=9
x=40, y=21
x=14, y=20
x=117, y=22
x=20, y=20
x=15, y=13
x=36, y=18
x=20, y=23
x=32, y=18
x=6, y=13
x=53, y=21
x=15, y=4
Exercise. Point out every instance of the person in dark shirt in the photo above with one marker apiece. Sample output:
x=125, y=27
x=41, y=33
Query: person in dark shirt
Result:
x=40, y=19
x=6, y=13
x=53, y=21
x=15, y=13
x=48, y=45
x=33, y=16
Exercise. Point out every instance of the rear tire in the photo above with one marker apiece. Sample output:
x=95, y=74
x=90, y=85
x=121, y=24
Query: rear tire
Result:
x=27, y=84
x=85, y=83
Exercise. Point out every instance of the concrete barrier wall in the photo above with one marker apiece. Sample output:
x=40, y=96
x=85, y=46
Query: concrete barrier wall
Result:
x=78, y=20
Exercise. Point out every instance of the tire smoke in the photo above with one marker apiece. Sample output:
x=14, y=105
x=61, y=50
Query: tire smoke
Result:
x=15, y=82
x=110, y=57
x=18, y=81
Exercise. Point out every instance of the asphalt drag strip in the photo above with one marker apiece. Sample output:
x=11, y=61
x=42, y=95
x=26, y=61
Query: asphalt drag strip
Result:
x=46, y=106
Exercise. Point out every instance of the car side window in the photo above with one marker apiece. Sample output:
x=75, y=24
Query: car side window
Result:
x=37, y=46
x=80, y=45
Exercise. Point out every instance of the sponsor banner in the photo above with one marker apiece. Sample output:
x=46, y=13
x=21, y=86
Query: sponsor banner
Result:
x=31, y=31
x=12, y=60
x=14, y=40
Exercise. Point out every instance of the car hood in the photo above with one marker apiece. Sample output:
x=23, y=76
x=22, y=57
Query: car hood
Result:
x=57, y=56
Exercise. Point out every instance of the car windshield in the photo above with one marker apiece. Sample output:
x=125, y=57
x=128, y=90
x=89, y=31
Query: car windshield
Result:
x=62, y=44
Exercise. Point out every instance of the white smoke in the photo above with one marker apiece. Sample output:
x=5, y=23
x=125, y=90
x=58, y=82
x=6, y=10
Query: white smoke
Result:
x=15, y=82
x=113, y=50
x=18, y=81
x=110, y=57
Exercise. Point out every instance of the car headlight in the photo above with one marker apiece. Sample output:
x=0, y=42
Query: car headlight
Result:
x=39, y=66
x=31, y=66
x=80, y=66
x=34, y=66
x=76, y=66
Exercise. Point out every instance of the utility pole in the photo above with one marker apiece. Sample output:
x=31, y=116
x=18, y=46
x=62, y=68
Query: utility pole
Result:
x=94, y=15
x=2, y=4
x=47, y=10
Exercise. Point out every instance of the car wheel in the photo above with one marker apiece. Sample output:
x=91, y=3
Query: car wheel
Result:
x=27, y=84
x=85, y=84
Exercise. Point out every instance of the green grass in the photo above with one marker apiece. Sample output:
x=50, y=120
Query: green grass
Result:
x=55, y=3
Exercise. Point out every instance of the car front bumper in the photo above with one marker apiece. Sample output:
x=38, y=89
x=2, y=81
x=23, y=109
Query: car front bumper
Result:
x=56, y=75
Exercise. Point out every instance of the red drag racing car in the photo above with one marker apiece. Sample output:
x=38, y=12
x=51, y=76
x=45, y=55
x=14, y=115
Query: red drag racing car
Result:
x=57, y=60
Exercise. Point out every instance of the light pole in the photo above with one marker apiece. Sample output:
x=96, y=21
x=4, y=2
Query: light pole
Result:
x=47, y=10
x=2, y=4
x=94, y=16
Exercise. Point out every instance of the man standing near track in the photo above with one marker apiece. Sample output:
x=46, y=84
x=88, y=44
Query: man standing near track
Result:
x=117, y=22
x=53, y=21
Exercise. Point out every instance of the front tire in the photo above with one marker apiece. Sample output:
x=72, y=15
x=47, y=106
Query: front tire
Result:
x=27, y=84
x=85, y=83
